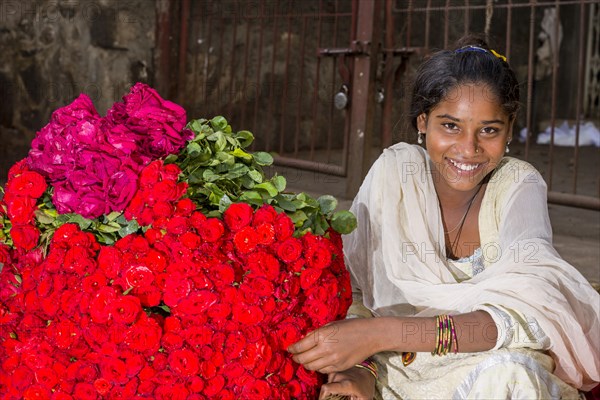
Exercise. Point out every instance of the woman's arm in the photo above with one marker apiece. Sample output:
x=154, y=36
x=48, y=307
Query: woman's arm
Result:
x=340, y=345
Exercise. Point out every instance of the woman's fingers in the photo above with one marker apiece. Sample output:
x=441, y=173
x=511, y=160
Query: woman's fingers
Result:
x=344, y=387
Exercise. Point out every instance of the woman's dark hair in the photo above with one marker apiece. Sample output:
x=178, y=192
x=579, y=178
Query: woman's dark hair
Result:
x=446, y=69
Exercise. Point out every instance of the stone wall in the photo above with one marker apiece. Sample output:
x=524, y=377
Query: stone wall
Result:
x=52, y=50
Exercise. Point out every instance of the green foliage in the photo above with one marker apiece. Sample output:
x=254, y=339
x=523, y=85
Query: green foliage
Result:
x=220, y=171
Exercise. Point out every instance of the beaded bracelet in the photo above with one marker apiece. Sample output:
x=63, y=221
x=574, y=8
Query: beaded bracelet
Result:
x=445, y=337
x=370, y=366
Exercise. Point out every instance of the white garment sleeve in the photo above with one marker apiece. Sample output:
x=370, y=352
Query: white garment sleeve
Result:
x=516, y=330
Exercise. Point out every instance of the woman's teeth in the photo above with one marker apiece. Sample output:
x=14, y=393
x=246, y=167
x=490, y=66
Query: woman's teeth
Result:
x=464, y=167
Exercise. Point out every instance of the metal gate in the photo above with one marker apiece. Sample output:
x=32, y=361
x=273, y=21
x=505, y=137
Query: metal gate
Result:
x=324, y=83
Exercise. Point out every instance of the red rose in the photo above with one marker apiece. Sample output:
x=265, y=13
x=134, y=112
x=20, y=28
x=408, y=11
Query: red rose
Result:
x=176, y=289
x=290, y=250
x=171, y=392
x=85, y=391
x=263, y=264
x=138, y=276
x=196, y=219
x=144, y=335
x=46, y=377
x=25, y=236
x=221, y=274
x=190, y=240
x=266, y=234
x=237, y=216
x=234, y=345
x=165, y=191
x=162, y=209
x=125, y=309
x=265, y=214
x=318, y=255
x=211, y=230
x=247, y=314
x=246, y=239
x=196, y=303
x=63, y=334
x=184, y=207
x=198, y=336
x=287, y=334
x=177, y=225
x=258, y=286
x=284, y=227
x=184, y=362
x=20, y=209
x=309, y=277
x=109, y=261
x=257, y=389
x=102, y=386
x=78, y=261
x=214, y=386
x=28, y=183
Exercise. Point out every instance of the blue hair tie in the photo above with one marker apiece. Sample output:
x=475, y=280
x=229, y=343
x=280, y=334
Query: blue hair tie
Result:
x=480, y=50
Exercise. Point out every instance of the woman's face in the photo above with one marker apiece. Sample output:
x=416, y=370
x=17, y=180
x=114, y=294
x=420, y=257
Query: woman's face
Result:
x=466, y=136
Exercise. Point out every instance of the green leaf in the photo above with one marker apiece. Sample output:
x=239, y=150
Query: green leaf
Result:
x=343, y=222
x=263, y=158
x=219, y=123
x=245, y=137
x=165, y=308
x=130, y=228
x=298, y=217
x=250, y=196
x=126, y=292
x=285, y=204
x=241, y=154
x=209, y=175
x=279, y=182
x=221, y=142
x=224, y=203
x=327, y=203
x=104, y=228
x=225, y=158
x=194, y=149
x=83, y=223
x=43, y=218
x=18, y=278
x=171, y=158
x=113, y=216
x=256, y=176
x=269, y=187
x=195, y=125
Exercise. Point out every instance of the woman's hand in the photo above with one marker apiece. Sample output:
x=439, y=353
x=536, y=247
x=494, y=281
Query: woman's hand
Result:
x=356, y=383
x=337, y=346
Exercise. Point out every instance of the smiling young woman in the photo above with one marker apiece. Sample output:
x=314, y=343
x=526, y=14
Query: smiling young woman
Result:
x=458, y=292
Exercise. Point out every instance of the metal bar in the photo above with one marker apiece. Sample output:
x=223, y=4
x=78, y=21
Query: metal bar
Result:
x=427, y=24
x=466, y=17
x=446, y=23
x=272, y=85
x=163, y=34
x=209, y=50
x=332, y=88
x=300, y=88
x=530, y=80
x=258, y=68
x=310, y=165
x=196, y=45
x=409, y=22
x=388, y=78
x=539, y=3
x=553, y=100
x=574, y=200
x=285, y=86
x=245, y=79
x=183, y=47
x=508, y=30
x=316, y=88
x=580, y=79
x=232, y=64
x=361, y=120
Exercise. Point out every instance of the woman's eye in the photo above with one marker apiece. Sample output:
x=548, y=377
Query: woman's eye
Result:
x=489, y=130
x=449, y=125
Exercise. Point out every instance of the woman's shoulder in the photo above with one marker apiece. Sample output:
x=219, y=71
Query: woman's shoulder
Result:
x=512, y=171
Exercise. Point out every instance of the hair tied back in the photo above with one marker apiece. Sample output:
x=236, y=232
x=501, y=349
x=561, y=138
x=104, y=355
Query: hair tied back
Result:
x=480, y=50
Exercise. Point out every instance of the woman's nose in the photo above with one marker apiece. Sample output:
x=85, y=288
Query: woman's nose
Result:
x=470, y=145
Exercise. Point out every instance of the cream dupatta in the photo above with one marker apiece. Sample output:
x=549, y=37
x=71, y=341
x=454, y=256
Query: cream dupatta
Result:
x=396, y=257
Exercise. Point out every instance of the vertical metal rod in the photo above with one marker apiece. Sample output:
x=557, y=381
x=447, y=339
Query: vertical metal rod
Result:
x=332, y=88
x=446, y=22
x=466, y=17
x=219, y=60
x=427, y=24
x=553, y=100
x=316, y=89
x=232, y=65
x=209, y=50
x=245, y=79
x=508, y=29
x=163, y=34
x=409, y=22
x=270, y=133
x=261, y=24
x=580, y=79
x=530, y=78
x=196, y=46
x=183, y=47
x=300, y=87
x=388, y=77
x=285, y=99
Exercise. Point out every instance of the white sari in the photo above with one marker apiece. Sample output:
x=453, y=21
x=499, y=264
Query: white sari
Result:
x=396, y=258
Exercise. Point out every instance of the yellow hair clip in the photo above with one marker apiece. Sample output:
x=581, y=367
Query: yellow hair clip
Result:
x=500, y=56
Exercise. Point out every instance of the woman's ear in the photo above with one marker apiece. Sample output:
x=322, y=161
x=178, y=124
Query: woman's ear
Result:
x=422, y=122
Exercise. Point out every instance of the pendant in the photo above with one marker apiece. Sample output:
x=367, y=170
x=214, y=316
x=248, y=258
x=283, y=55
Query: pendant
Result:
x=408, y=357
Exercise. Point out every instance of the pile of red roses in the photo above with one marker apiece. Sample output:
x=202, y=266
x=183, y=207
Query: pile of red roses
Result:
x=187, y=307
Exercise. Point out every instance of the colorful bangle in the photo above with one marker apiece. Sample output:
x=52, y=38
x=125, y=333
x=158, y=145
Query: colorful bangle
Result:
x=370, y=366
x=445, y=337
